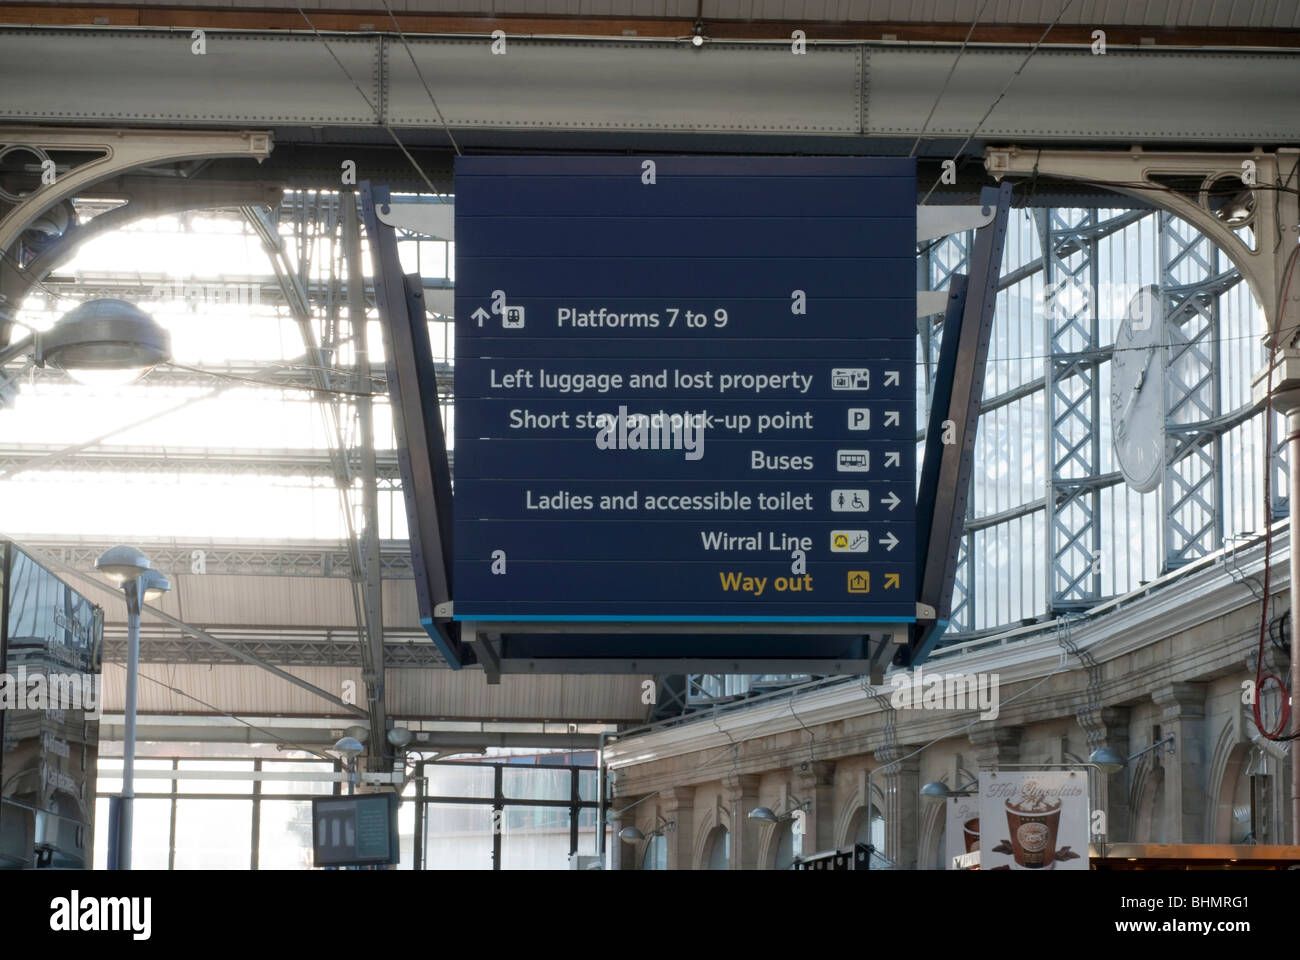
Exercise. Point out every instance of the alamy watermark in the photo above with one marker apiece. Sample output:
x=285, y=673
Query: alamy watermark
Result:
x=652, y=431
x=945, y=691
x=37, y=690
x=208, y=295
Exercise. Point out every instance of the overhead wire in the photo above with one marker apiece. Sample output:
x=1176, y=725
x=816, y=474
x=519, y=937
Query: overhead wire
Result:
x=946, y=80
x=420, y=73
x=379, y=121
x=1003, y=92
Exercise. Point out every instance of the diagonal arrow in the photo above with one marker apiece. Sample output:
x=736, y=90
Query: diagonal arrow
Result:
x=890, y=541
x=891, y=418
x=891, y=581
x=892, y=500
x=891, y=378
x=892, y=458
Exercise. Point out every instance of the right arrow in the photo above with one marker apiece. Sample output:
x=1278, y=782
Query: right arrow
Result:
x=891, y=378
x=480, y=315
x=891, y=418
x=890, y=541
x=892, y=500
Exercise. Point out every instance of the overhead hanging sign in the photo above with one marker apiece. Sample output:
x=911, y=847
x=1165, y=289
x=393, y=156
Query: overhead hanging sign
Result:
x=685, y=389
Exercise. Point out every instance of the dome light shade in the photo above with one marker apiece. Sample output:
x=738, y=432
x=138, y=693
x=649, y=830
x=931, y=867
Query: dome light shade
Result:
x=122, y=563
x=1107, y=759
x=155, y=585
x=107, y=337
x=399, y=736
x=764, y=813
x=936, y=789
x=631, y=835
x=348, y=746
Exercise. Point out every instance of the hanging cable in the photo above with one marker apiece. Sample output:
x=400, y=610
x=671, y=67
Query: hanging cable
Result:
x=1284, y=711
x=419, y=73
x=373, y=109
x=946, y=80
x=1003, y=92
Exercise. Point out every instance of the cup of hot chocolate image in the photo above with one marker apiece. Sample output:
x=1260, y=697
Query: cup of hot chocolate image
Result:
x=971, y=833
x=1033, y=821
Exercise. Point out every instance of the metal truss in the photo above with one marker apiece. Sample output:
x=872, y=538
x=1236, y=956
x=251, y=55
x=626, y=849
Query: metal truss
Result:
x=286, y=559
x=334, y=649
x=1191, y=281
x=1069, y=240
x=292, y=376
x=189, y=461
x=261, y=290
x=1194, y=273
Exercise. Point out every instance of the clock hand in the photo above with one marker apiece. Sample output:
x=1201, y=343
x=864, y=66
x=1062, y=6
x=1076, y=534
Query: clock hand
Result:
x=1137, y=386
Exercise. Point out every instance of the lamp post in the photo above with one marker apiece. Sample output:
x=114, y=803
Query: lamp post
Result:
x=131, y=569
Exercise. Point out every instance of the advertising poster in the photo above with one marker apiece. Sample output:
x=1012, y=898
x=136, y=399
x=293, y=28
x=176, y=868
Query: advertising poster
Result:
x=962, y=829
x=1033, y=820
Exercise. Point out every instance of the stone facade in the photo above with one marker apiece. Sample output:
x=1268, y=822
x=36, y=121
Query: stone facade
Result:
x=1178, y=661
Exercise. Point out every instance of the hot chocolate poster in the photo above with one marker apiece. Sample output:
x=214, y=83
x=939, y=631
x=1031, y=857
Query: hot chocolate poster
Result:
x=1034, y=820
x=962, y=828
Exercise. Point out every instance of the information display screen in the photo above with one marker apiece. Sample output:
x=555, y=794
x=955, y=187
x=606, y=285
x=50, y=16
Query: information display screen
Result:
x=685, y=389
x=348, y=831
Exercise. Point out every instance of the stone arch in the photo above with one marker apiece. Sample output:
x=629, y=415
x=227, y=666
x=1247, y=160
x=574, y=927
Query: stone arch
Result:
x=1223, y=787
x=846, y=816
x=933, y=827
x=1148, y=780
x=1225, y=766
x=707, y=822
x=767, y=846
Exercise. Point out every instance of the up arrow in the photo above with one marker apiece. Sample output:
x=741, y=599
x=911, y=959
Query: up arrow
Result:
x=891, y=581
x=891, y=418
x=892, y=500
x=480, y=315
x=891, y=378
x=892, y=458
x=890, y=541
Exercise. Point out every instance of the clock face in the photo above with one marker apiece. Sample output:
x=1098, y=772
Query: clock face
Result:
x=1137, y=393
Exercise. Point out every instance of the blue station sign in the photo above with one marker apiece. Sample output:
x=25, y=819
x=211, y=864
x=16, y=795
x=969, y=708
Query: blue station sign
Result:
x=685, y=389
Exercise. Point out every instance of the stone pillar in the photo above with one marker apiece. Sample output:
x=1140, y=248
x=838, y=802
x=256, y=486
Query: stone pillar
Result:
x=742, y=796
x=1108, y=727
x=620, y=853
x=901, y=784
x=814, y=782
x=1183, y=714
x=994, y=745
x=678, y=806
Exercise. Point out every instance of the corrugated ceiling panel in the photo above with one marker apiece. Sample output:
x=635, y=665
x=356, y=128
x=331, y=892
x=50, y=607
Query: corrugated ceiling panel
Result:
x=225, y=688
x=279, y=601
x=283, y=602
x=463, y=694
